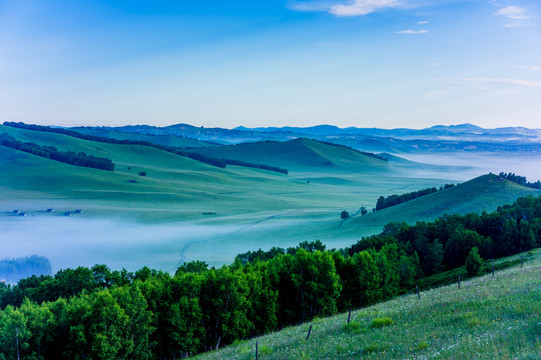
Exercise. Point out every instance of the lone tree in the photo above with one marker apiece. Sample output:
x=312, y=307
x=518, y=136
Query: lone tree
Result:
x=473, y=262
x=344, y=215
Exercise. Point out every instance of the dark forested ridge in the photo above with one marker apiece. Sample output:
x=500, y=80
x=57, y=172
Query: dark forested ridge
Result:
x=50, y=152
x=96, y=313
x=222, y=163
x=392, y=200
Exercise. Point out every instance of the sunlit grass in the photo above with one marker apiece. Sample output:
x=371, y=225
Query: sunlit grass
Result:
x=488, y=318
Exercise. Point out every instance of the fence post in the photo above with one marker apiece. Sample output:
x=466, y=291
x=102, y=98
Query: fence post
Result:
x=349, y=315
x=492, y=267
x=417, y=289
x=459, y=282
x=256, y=351
x=309, y=331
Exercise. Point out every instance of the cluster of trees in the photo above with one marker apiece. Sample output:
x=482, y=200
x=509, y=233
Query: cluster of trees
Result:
x=521, y=180
x=99, y=313
x=256, y=166
x=392, y=200
x=50, y=152
x=222, y=163
x=376, y=156
x=12, y=270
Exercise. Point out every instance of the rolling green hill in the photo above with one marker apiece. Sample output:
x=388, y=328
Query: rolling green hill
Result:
x=486, y=192
x=488, y=318
x=300, y=154
x=165, y=140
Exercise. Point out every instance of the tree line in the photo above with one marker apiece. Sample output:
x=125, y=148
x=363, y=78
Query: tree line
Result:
x=50, y=152
x=521, y=180
x=221, y=163
x=392, y=200
x=96, y=313
x=376, y=156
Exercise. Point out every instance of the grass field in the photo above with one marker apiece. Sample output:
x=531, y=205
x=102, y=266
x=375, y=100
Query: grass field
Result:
x=187, y=210
x=488, y=318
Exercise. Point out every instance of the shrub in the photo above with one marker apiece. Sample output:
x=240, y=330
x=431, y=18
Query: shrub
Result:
x=344, y=215
x=372, y=348
x=381, y=322
x=354, y=327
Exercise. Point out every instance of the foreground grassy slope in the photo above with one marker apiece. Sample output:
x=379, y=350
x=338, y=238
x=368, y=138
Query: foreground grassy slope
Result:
x=488, y=318
x=299, y=154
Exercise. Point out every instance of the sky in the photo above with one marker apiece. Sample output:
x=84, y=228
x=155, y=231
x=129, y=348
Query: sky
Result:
x=218, y=63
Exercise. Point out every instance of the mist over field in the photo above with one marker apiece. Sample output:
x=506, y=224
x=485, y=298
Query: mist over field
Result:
x=474, y=164
x=71, y=242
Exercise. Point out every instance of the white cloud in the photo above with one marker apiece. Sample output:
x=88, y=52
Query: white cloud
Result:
x=412, y=32
x=513, y=12
x=423, y=22
x=362, y=7
x=495, y=81
x=350, y=8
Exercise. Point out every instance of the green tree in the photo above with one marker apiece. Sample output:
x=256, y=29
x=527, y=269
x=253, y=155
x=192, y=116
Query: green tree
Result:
x=473, y=262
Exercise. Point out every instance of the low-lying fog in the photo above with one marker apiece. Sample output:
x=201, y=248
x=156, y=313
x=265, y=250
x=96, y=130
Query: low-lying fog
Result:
x=76, y=241
x=520, y=163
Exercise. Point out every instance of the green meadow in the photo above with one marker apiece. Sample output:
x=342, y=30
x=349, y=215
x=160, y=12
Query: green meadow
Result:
x=487, y=318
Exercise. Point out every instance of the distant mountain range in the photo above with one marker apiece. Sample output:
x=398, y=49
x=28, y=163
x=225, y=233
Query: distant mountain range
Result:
x=464, y=137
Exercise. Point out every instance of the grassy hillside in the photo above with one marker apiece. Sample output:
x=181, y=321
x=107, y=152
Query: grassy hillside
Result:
x=299, y=154
x=486, y=192
x=488, y=318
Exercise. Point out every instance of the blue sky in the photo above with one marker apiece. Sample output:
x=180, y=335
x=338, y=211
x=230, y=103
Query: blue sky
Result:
x=364, y=63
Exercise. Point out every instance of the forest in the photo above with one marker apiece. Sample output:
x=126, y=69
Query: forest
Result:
x=98, y=313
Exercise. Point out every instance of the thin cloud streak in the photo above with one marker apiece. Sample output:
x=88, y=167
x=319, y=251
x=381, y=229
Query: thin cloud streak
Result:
x=413, y=32
x=532, y=68
x=495, y=81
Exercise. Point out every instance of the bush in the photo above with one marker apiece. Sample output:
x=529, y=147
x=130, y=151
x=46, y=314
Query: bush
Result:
x=381, y=322
x=344, y=215
x=142, y=173
x=473, y=262
x=354, y=327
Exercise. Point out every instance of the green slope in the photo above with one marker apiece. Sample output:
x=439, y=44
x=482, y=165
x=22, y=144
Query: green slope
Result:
x=300, y=154
x=488, y=318
x=486, y=192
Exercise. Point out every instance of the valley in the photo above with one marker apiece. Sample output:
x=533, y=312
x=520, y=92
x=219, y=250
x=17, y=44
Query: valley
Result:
x=183, y=209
